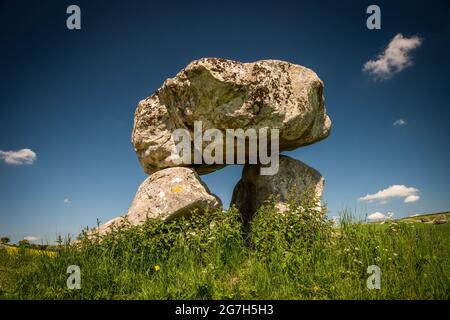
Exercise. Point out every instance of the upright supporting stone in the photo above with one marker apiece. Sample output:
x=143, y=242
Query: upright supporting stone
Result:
x=167, y=194
x=254, y=189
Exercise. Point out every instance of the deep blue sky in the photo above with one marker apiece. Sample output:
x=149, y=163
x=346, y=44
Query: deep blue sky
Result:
x=70, y=96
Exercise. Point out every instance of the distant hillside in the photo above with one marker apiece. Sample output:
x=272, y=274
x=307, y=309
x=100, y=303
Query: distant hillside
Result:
x=429, y=217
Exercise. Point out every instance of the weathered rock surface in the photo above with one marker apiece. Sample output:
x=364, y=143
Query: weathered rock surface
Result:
x=254, y=189
x=167, y=194
x=226, y=94
x=106, y=227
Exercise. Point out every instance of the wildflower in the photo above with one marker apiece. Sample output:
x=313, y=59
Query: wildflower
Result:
x=157, y=267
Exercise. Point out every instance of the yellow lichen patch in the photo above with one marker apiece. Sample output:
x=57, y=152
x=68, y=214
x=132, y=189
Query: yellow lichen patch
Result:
x=177, y=189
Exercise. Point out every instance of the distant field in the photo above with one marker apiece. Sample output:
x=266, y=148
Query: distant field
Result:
x=431, y=216
x=33, y=252
x=418, y=218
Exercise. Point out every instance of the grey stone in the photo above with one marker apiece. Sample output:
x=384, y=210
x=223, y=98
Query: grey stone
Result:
x=226, y=94
x=254, y=189
x=167, y=194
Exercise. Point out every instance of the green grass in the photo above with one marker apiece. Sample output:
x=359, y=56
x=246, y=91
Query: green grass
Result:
x=295, y=255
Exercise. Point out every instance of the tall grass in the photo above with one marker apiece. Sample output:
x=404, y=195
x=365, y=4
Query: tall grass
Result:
x=298, y=254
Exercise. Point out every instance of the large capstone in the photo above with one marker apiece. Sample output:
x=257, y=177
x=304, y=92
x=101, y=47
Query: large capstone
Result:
x=225, y=94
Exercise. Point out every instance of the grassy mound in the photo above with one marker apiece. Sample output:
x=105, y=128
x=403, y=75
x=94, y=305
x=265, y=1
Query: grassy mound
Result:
x=299, y=254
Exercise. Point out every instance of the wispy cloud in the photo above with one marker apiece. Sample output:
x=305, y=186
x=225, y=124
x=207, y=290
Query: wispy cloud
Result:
x=409, y=194
x=32, y=238
x=412, y=198
x=67, y=201
x=399, y=122
x=19, y=157
x=394, y=59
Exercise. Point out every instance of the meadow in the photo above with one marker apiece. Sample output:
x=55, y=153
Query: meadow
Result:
x=299, y=254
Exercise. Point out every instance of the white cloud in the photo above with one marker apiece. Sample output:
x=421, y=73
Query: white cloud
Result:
x=67, y=201
x=396, y=191
x=19, y=157
x=411, y=198
x=399, y=122
x=32, y=238
x=395, y=57
x=376, y=216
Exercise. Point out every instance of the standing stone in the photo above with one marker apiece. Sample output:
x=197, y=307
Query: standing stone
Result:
x=167, y=194
x=254, y=189
x=226, y=94
x=171, y=193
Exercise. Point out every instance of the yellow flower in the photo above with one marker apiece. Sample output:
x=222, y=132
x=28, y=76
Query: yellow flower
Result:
x=157, y=267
